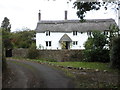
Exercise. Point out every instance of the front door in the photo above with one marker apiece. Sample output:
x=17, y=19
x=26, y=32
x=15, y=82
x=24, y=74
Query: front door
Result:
x=67, y=45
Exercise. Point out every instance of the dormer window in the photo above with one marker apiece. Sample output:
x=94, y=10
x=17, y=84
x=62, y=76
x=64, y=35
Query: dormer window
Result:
x=47, y=33
x=74, y=33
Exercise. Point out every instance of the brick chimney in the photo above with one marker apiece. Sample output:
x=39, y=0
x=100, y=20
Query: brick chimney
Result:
x=65, y=14
x=39, y=15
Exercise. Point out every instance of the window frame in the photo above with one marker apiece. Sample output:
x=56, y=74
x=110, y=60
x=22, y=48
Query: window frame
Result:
x=47, y=33
x=75, y=43
x=74, y=33
x=48, y=43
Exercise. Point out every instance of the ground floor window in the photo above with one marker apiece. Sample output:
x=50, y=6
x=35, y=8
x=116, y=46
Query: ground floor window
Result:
x=75, y=42
x=48, y=43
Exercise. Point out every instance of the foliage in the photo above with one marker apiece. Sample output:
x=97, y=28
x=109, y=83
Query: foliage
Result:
x=63, y=45
x=115, y=53
x=23, y=39
x=114, y=32
x=94, y=48
x=6, y=42
x=32, y=52
x=6, y=24
x=83, y=7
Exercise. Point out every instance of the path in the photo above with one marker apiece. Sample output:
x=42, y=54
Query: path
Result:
x=33, y=75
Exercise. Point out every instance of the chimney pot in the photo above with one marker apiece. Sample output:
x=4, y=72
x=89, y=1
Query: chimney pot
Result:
x=39, y=15
x=65, y=14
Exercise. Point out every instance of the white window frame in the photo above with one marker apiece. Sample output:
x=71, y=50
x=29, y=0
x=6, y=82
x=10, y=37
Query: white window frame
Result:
x=75, y=42
x=47, y=33
x=48, y=43
x=74, y=33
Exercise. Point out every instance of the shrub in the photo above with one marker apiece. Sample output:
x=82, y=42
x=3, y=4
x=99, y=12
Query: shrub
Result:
x=94, y=48
x=32, y=52
x=115, y=53
x=96, y=55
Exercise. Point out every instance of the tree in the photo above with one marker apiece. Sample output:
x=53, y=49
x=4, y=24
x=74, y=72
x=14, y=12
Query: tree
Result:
x=6, y=42
x=95, y=47
x=114, y=32
x=6, y=24
x=83, y=7
x=23, y=39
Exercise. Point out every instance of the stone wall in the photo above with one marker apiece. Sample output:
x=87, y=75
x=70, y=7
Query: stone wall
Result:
x=58, y=55
x=19, y=52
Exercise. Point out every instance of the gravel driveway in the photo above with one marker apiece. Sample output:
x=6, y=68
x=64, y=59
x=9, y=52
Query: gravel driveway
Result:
x=33, y=75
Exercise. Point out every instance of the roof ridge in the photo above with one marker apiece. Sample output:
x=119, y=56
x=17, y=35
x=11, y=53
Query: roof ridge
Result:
x=73, y=21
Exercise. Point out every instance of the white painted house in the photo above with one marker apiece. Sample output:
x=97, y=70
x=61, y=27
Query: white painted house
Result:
x=67, y=34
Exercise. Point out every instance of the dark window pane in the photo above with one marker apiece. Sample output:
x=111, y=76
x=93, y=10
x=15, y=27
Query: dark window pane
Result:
x=76, y=42
x=46, y=43
x=49, y=43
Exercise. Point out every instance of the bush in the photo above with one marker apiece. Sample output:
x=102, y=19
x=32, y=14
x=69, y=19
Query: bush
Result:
x=115, y=53
x=33, y=53
x=96, y=55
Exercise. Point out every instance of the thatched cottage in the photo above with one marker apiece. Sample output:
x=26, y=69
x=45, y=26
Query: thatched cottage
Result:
x=67, y=34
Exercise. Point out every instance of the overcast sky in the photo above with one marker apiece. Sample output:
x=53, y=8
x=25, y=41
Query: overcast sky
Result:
x=24, y=13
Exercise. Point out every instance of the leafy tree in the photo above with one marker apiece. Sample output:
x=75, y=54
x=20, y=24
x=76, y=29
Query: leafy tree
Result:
x=83, y=7
x=114, y=32
x=95, y=47
x=6, y=24
x=23, y=39
x=6, y=42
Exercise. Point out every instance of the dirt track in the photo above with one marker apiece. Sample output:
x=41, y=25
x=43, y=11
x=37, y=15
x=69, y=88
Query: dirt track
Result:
x=33, y=75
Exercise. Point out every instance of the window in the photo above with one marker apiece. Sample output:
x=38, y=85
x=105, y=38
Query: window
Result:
x=48, y=43
x=47, y=33
x=75, y=42
x=105, y=32
x=89, y=33
x=75, y=33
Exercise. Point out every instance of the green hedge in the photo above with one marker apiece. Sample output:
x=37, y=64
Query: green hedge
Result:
x=96, y=55
x=115, y=53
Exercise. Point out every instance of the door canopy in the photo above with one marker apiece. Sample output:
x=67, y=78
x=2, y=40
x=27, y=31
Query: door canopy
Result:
x=65, y=38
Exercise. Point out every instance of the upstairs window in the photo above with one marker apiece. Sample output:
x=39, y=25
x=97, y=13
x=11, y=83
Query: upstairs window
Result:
x=47, y=33
x=74, y=33
x=89, y=33
x=48, y=43
x=105, y=32
x=75, y=42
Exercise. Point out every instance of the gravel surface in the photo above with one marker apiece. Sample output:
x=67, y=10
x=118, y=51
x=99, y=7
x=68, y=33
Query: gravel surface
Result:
x=33, y=75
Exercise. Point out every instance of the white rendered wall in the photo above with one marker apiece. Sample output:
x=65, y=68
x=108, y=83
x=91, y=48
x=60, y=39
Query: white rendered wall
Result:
x=54, y=37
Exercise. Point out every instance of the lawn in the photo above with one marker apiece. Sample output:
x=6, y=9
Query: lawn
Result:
x=91, y=65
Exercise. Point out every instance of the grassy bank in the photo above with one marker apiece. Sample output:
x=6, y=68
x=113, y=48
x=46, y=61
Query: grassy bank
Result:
x=89, y=65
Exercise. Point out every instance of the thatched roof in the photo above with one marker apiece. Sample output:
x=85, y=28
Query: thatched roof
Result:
x=74, y=25
x=65, y=37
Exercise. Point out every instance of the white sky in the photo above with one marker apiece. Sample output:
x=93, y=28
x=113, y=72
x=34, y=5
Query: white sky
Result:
x=24, y=13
